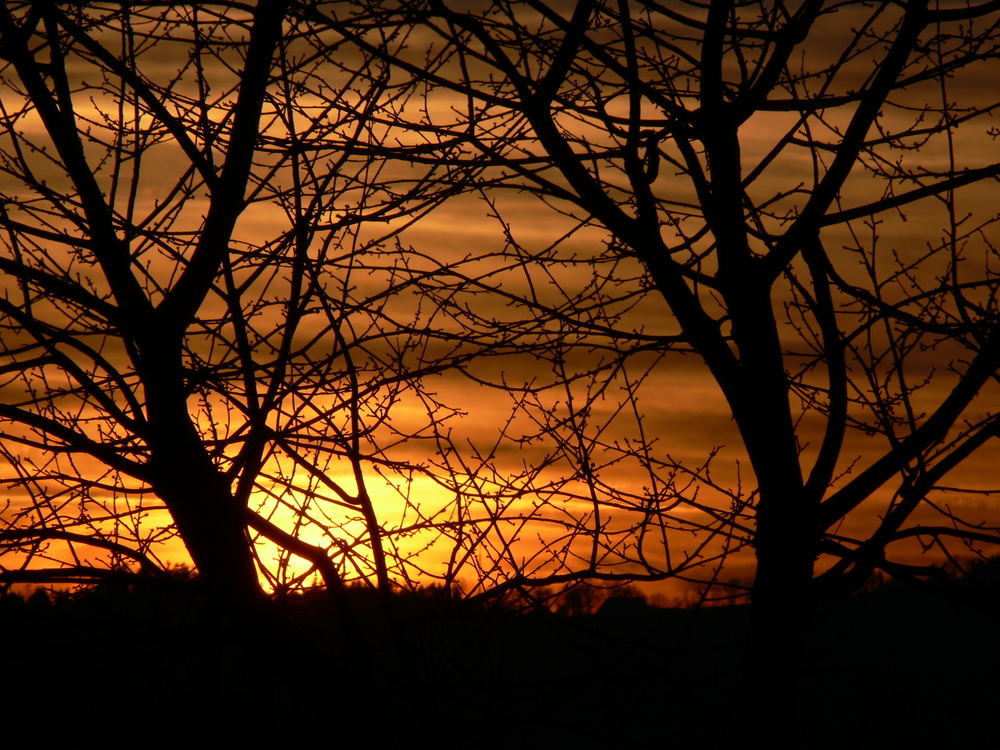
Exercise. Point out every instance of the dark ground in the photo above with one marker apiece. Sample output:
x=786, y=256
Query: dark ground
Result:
x=886, y=669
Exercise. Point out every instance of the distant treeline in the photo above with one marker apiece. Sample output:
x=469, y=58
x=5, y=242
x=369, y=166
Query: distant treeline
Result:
x=976, y=580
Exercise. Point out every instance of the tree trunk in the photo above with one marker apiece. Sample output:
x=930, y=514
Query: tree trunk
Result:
x=198, y=495
x=785, y=538
x=211, y=526
x=780, y=614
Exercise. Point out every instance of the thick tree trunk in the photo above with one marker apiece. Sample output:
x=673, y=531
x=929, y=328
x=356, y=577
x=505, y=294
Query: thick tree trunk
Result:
x=785, y=538
x=211, y=526
x=778, y=623
x=198, y=495
x=780, y=615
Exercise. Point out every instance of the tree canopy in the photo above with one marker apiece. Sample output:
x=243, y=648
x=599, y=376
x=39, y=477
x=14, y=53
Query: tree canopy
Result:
x=205, y=325
x=222, y=292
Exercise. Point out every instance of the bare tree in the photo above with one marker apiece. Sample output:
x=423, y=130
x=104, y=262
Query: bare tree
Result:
x=204, y=335
x=208, y=326
x=800, y=197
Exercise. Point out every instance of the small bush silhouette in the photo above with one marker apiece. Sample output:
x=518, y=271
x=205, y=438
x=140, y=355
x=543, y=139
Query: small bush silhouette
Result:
x=624, y=602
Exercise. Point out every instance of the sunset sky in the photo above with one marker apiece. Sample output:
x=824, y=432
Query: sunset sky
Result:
x=481, y=468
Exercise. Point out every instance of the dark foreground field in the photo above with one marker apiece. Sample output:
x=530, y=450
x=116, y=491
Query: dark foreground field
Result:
x=887, y=669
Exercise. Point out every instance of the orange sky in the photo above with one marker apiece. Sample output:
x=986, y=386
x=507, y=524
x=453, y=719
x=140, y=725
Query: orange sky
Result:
x=677, y=405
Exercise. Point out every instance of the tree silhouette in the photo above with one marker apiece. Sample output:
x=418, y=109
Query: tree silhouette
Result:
x=208, y=322
x=203, y=332
x=798, y=197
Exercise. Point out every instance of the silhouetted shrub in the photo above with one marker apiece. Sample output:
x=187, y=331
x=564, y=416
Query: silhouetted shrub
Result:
x=627, y=601
x=582, y=599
